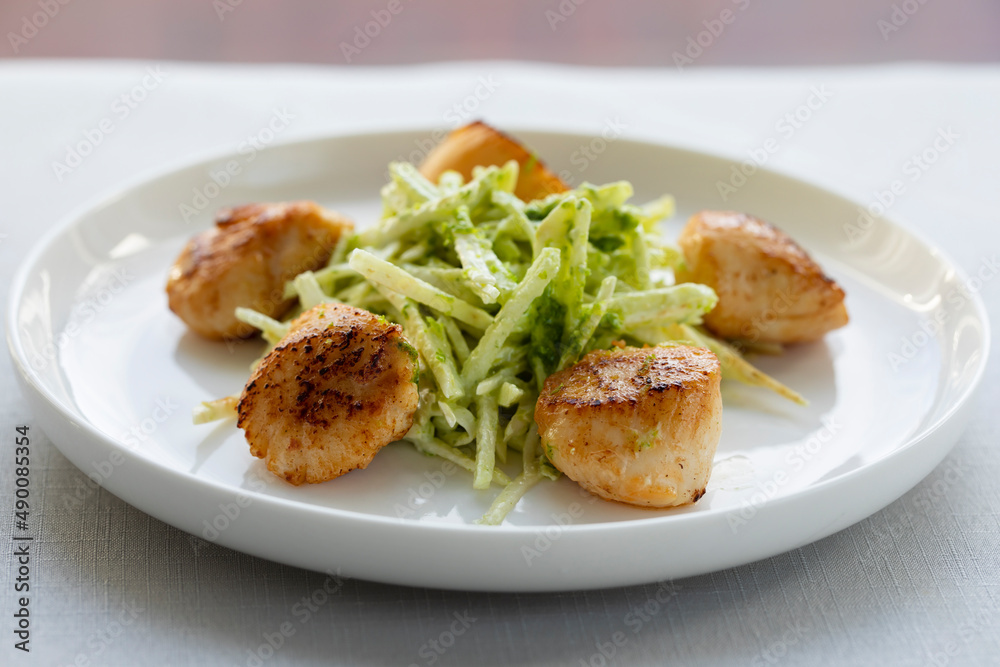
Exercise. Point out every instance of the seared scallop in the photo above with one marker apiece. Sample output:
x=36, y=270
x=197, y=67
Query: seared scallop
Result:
x=245, y=261
x=340, y=386
x=639, y=426
x=479, y=145
x=770, y=290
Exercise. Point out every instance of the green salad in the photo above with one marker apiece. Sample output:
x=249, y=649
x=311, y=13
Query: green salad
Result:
x=495, y=294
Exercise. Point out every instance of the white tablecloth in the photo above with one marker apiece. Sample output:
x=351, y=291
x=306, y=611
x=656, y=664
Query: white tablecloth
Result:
x=918, y=583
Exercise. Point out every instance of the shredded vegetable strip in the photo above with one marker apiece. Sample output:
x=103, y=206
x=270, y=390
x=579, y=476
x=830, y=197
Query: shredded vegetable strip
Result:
x=736, y=367
x=391, y=276
x=272, y=329
x=486, y=440
x=481, y=359
x=210, y=411
x=513, y=492
x=495, y=294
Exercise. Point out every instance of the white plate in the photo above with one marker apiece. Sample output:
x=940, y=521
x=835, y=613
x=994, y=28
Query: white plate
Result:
x=112, y=376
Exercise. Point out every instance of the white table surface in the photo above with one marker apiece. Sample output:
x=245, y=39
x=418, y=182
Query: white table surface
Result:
x=918, y=583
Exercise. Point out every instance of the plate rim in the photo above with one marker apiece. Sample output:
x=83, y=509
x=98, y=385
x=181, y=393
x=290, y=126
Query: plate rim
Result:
x=29, y=376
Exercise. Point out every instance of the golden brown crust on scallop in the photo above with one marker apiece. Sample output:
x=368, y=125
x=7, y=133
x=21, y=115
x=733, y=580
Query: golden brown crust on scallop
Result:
x=478, y=144
x=333, y=392
x=769, y=288
x=638, y=426
x=245, y=260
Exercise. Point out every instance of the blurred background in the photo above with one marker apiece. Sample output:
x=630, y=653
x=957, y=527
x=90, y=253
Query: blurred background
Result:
x=587, y=32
